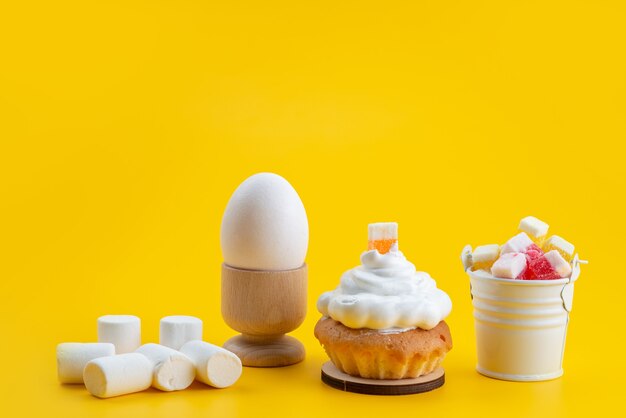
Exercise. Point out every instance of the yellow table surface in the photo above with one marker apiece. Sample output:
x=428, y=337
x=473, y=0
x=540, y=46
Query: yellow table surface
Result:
x=126, y=125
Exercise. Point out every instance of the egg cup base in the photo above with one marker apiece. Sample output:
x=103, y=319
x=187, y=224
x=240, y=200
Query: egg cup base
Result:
x=266, y=351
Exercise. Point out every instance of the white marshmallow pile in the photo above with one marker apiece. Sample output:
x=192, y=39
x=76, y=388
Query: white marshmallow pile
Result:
x=118, y=364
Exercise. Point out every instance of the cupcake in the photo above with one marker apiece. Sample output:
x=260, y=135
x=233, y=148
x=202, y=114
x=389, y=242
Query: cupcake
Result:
x=385, y=320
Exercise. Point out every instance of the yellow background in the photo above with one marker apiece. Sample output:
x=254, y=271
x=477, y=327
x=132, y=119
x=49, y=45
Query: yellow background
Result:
x=126, y=125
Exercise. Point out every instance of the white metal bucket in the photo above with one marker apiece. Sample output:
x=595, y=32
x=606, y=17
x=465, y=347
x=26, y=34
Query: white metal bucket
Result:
x=521, y=325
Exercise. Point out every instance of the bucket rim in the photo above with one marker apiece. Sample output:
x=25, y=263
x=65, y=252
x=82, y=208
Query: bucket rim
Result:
x=518, y=282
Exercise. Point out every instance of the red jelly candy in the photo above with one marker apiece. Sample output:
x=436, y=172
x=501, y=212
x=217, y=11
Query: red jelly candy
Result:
x=533, y=251
x=539, y=268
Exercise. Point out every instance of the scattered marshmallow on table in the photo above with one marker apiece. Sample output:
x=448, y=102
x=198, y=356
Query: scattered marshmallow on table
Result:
x=123, y=331
x=214, y=365
x=509, y=266
x=106, y=377
x=176, y=330
x=172, y=369
x=72, y=358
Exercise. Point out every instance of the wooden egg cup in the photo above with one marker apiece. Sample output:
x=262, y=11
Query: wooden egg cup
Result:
x=264, y=306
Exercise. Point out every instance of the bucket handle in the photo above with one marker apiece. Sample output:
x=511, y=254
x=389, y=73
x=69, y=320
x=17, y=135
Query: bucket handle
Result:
x=466, y=259
x=567, y=294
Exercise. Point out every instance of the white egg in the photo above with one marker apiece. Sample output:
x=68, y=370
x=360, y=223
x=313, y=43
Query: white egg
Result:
x=265, y=225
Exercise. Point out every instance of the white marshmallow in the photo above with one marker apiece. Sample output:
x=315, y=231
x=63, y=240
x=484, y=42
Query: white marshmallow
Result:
x=558, y=263
x=72, y=357
x=118, y=375
x=215, y=366
x=509, y=266
x=172, y=369
x=485, y=253
x=518, y=244
x=124, y=331
x=560, y=243
x=177, y=330
x=533, y=227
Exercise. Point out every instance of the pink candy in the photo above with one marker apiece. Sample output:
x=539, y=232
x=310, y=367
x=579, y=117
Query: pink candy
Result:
x=539, y=268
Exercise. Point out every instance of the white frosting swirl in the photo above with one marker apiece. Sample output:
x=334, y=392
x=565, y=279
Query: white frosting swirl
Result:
x=385, y=293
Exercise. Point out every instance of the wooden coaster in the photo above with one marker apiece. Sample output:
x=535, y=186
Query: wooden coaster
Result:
x=339, y=380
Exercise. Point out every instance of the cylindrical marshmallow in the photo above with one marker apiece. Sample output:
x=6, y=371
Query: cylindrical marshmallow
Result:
x=215, y=366
x=172, y=369
x=72, y=357
x=123, y=331
x=118, y=375
x=177, y=330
